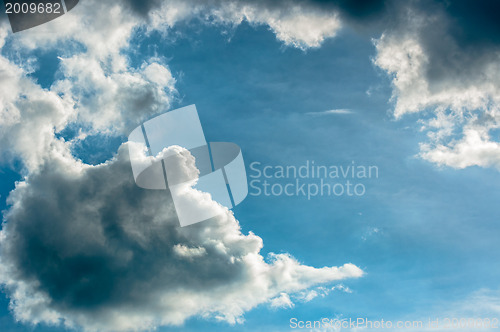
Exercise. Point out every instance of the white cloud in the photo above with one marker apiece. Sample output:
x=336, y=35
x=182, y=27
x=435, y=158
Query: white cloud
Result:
x=184, y=251
x=281, y=301
x=310, y=295
x=109, y=24
x=97, y=87
x=295, y=23
x=115, y=99
x=342, y=288
x=330, y=112
x=85, y=245
x=82, y=245
x=29, y=116
x=458, y=87
x=476, y=148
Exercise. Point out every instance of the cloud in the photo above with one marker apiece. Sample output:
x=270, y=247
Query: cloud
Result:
x=309, y=295
x=330, y=112
x=300, y=24
x=115, y=99
x=108, y=25
x=85, y=246
x=282, y=301
x=97, y=89
x=109, y=102
x=82, y=245
x=29, y=117
x=445, y=68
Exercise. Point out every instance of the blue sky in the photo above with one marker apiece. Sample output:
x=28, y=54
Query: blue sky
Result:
x=426, y=235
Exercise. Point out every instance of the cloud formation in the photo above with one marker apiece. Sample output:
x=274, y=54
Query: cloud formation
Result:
x=83, y=245
x=300, y=24
x=445, y=66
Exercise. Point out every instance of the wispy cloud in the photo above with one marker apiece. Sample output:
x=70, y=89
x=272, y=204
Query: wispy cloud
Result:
x=329, y=112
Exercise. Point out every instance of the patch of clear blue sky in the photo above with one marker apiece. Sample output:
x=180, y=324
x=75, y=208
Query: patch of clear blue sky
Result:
x=439, y=227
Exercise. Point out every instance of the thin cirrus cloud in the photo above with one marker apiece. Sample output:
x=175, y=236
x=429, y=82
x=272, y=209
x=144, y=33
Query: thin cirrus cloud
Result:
x=331, y=112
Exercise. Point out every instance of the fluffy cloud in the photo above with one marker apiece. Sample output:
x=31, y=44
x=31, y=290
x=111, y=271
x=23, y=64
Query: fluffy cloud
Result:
x=82, y=245
x=301, y=24
x=114, y=99
x=294, y=24
x=442, y=62
x=448, y=71
x=85, y=246
x=98, y=88
x=108, y=25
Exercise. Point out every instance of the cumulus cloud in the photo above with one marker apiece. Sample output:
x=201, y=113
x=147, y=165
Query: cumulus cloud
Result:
x=97, y=88
x=83, y=245
x=446, y=68
x=108, y=24
x=29, y=117
x=300, y=24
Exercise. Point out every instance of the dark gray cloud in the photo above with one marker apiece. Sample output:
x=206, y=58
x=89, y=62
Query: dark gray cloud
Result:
x=360, y=8
x=444, y=58
x=142, y=7
x=90, y=247
x=460, y=38
x=99, y=240
x=468, y=21
x=463, y=37
x=3, y=16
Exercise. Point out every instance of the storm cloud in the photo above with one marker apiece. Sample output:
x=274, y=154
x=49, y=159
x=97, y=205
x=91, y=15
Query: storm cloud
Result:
x=85, y=246
x=444, y=62
x=82, y=245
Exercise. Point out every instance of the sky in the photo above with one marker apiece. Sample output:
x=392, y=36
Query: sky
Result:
x=410, y=88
